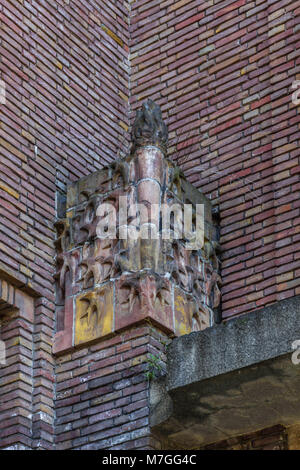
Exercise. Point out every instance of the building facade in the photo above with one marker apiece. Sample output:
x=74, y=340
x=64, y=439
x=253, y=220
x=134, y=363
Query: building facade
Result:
x=226, y=77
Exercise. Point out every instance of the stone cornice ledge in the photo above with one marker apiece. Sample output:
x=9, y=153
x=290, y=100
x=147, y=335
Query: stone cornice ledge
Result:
x=229, y=380
x=247, y=340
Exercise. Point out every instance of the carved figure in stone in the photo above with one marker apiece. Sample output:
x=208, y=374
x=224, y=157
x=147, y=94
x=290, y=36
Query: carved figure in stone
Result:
x=174, y=183
x=84, y=195
x=167, y=257
x=163, y=293
x=97, y=262
x=213, y=285
x=180, y=271
x=150, y=291
x=84, y=223
x=121, y=172
x=200, y=315
x=149, y=128
x=129, y=294
x=62, y=241
x=211, y=249
x=128, y=257
x=93, y=308
x=196, y=275
x=216, y=290
x=67, y=264
x=79, y=233
x=154, y=292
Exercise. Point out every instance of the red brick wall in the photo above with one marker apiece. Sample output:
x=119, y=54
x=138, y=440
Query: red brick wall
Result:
x=17, y=368
x=65, y=69
x=103, y=393
x=223, y=73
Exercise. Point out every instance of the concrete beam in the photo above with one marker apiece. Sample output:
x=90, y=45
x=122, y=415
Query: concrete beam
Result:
x=230, y=379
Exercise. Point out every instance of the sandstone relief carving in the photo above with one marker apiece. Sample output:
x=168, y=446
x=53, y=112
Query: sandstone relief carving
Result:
x=108, y=282
x=94, y=314
x=121, y=174
x=62, y=241
x=92, y=308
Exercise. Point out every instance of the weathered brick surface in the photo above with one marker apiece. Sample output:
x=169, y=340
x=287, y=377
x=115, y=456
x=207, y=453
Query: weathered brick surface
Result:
x=17, y=371
x=65, y=69
x=102, y=396
x=223, y=72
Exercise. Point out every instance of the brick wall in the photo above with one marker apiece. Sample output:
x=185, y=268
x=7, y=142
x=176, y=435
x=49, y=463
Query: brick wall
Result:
x=65, y=69
x=103, y=392
x=223, y=73
x=17, y=367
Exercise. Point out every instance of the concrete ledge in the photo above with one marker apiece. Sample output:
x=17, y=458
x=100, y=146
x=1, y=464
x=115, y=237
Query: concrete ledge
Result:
x=230, y=380
x=249, y=339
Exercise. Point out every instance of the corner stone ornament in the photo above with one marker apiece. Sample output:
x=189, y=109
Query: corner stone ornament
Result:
x=105, y=281
x=149, y=128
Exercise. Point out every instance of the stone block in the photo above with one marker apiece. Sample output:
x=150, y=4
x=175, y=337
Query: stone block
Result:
x=145, y=297
x=189, y=313
x=149, y=163
x=94, y=317
x=62, y=341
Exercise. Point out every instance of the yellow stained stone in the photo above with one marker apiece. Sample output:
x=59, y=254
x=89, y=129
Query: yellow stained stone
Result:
x=94, y=314
x=188, y=316
x=59, y=65
x=112, y=35
x=122, y=124
x=182, y=321
x=124, y=97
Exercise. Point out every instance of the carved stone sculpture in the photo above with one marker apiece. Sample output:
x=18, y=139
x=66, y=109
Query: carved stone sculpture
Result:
x=149, y=128
x=107, y=282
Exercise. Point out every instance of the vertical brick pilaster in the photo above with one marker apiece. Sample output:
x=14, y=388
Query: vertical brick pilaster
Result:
x=16, y=375
x=43, y=376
